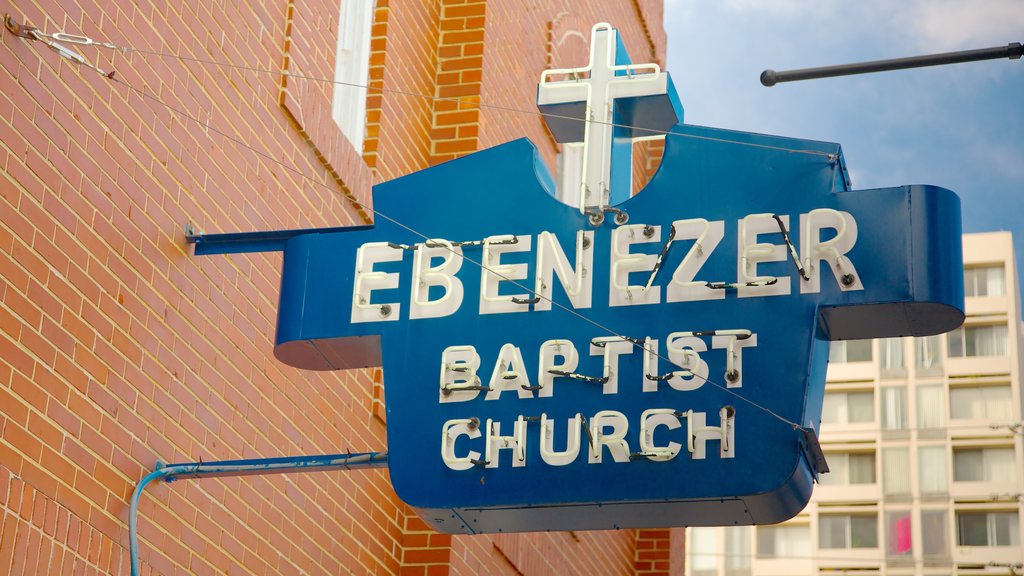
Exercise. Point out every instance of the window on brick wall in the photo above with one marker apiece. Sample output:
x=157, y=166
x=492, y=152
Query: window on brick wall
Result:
x=352, y=69
x=843, y=351
x=848, y=407
x=987, y=529
x=984, y=281
x=848, y=531
x=984, y=465
x=971, y=341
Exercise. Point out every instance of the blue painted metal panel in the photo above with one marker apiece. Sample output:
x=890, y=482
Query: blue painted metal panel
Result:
x=280, y=465
x=262, y=241
x=907, y=255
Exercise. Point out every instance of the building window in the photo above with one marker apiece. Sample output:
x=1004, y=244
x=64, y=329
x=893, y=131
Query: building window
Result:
x=984, y=281
x=928, y=355
x=894, y=407
x=972, y=341
x=931, y=406
x=980, y=403
x=352, y=69
x=890, y=357
x=848, y=531
x=897, y=533
x=843, y=351
x=931, y=462
x=987, y=529
x=792, y=541
x=984, y=465
x=848, y=407
x=737, y=551
x=933, y=533
x=703, y=545
x=849, y=468
x=895, y=471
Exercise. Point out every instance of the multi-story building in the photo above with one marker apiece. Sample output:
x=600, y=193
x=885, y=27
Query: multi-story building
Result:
x=923, y=439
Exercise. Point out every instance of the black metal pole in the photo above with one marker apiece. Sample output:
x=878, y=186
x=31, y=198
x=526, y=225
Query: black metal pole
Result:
x=1012, y=51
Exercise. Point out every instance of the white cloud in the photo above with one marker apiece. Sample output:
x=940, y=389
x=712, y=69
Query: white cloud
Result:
x=943, y=25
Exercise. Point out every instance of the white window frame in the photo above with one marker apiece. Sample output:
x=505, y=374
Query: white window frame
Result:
x=994, y=337
x=352, y=69
x=983, y=281
x=991, y=529
x=987, y=454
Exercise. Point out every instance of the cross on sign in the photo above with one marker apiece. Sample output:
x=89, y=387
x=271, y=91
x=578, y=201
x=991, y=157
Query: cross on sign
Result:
x=597, y=105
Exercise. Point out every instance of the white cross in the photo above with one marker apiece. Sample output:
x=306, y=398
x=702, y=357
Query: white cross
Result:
x=598, y=87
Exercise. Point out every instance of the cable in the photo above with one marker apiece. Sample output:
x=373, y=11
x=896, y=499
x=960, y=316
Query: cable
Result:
x=85, y=41
x=473, y=261
x=50, y=39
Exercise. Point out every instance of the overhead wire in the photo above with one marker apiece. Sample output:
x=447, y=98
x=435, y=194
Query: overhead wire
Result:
x=52, y=40
x=470, y=259
x=84, y=41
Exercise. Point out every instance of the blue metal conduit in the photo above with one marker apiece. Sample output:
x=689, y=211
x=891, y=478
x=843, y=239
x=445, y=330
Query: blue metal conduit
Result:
x=225, y=468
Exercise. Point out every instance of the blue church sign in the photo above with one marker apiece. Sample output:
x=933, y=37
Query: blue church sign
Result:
x=549, y=368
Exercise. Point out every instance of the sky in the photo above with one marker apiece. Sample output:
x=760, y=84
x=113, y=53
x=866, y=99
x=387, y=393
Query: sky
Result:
x=958, y=126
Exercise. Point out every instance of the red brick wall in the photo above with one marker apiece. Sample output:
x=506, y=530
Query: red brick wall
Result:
x=118, y=348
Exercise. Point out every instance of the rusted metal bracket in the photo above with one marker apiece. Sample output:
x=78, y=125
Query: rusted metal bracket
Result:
x=19, y=30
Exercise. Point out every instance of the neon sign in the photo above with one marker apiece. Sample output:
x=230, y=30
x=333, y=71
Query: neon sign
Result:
x=548, y=368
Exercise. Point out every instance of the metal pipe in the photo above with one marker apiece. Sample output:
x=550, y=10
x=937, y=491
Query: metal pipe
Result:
x=226, y=468
x=1013, y=51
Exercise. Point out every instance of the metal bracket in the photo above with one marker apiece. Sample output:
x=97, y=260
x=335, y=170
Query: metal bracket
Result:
x=19, y=30
x=812, y=452
x=242, y=242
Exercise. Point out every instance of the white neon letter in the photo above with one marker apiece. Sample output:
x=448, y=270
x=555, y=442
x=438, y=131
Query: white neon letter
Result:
x=547, y=443
x=832, y=251
x=651, y=419
x=683, y=287
x=425, y=276
x=577, y=282
x=548, y=351
x=752, y=253
x=459, y=365
x=620, y=292
x=450, y=432
x=493, y=273
x=611, y=347
x=734, y=341
x=684, y=351
x=509, y=374
x=516, y=443
x=367, y=280
x=698, y=433
x=650, y=364
x=615, y=442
